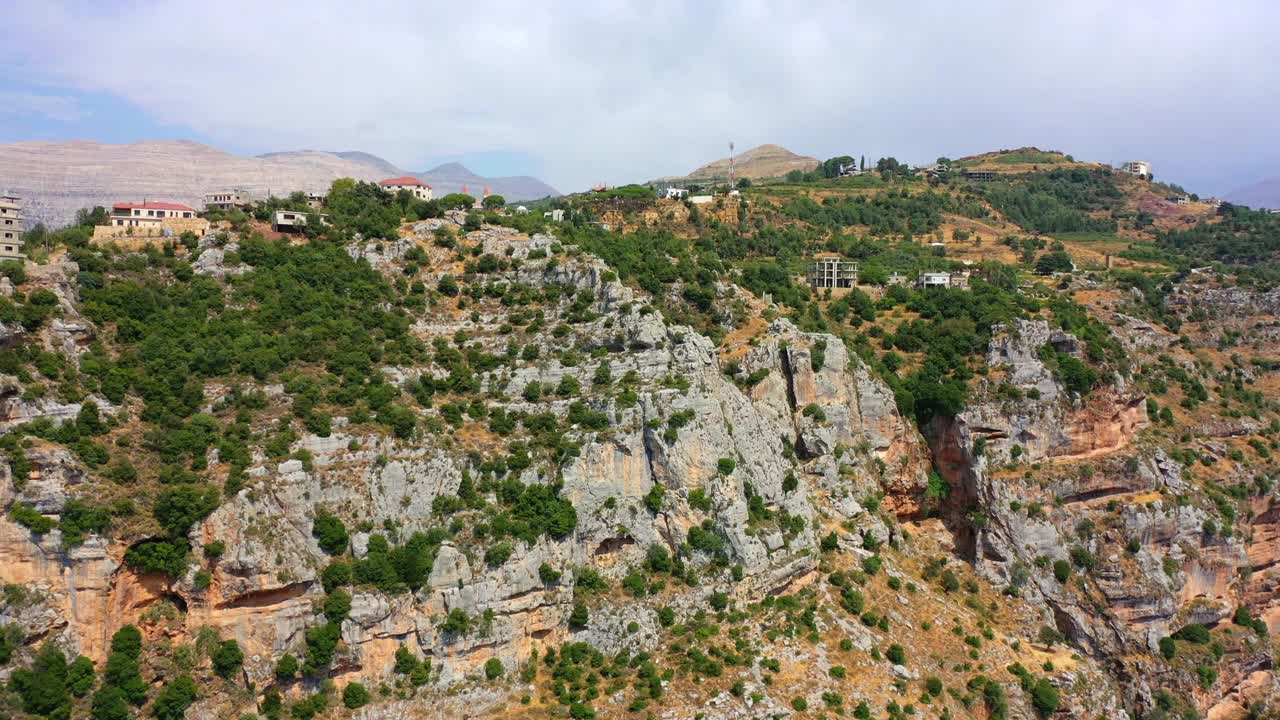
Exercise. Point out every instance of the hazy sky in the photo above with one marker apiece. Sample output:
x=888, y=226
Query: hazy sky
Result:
x=618, y=91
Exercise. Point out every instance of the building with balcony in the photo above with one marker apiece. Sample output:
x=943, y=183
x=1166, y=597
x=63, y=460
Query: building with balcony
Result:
x=12, y=225
x=832, y=271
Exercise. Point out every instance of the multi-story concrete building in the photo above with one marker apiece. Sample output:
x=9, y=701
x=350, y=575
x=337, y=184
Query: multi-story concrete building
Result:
x=416, y=187
x=226, y=200
x=11, y=227
x=1141, y=168
x=832, y=271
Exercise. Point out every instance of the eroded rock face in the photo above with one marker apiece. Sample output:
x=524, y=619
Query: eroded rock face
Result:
x=1057, y=479
x=265, y=586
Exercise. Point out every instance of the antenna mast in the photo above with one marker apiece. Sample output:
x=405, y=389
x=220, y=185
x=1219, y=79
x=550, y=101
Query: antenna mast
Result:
x=731, y=173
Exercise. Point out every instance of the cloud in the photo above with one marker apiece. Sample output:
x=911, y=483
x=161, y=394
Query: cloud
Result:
x=620, y=90
x=53, y=107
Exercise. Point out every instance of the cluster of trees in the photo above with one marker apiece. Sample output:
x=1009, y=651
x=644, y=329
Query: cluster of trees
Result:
x=51, y=684
x=1247, y=239
x=1058, y=201
x=890, y=213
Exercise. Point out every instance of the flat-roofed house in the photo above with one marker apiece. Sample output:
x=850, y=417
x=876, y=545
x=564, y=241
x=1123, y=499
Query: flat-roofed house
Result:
x=933, y=280
x=1141, y=168
x=416, y=187
x=11, y=228
x=226, y=200
x=294, y=221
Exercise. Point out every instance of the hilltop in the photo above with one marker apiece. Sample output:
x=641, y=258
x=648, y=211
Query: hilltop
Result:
x=765, y=161
x=57, y=178
x=482, y=463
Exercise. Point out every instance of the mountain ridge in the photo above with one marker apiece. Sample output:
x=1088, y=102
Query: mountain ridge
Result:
x=55, y=179
x=1262, y=194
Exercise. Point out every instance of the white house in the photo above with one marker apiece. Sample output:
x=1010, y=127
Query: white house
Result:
x=556, y=215
x=933, y=280
x=416, y=187
x=674, y=193
x=294, y=221
x=1141, y=168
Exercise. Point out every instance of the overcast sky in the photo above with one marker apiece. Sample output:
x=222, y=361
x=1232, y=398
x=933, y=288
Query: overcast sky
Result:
x=618, y=91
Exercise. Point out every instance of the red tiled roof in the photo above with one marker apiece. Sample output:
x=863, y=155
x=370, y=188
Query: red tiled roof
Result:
x=152, y=206
x=406, y=180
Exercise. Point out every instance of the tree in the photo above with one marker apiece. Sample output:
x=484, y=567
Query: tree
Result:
x=457, y=201
x=177, y=509
x=174, y=698
x=127, y=640
x=831, y=167
x=1044, y=696
x=80, y=676
x=337, y=605
x=286, y=668
x=895, y=654
x=363, y=207
x=492, y=202
x=355, y=695
x=330, y=533
x=1054, y=262
x=109, y=704
x=228, y=659
x=43, y=687
x=493, y=669
x=579, y=618
x=122, y=671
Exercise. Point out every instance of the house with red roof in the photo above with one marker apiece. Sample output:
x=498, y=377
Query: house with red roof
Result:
x=416, y=187
x=151, y=219
x=147, y=213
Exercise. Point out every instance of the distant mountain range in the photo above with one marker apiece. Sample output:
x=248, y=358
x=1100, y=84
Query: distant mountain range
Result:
x=1264, y=194
x=765, y=161
x=55, y=179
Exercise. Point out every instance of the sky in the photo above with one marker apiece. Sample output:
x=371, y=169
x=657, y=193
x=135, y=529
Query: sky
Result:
x=618, y=91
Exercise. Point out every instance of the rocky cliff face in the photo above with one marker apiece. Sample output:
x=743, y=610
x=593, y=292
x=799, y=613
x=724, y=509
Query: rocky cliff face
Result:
x=1041, y=477
x=1074, y=507
x=263, y=591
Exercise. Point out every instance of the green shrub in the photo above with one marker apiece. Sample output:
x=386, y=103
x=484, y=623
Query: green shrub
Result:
x=355, y=695
x=330, y=533
x=895, y=654
x=174, y=698
x=228, y=659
